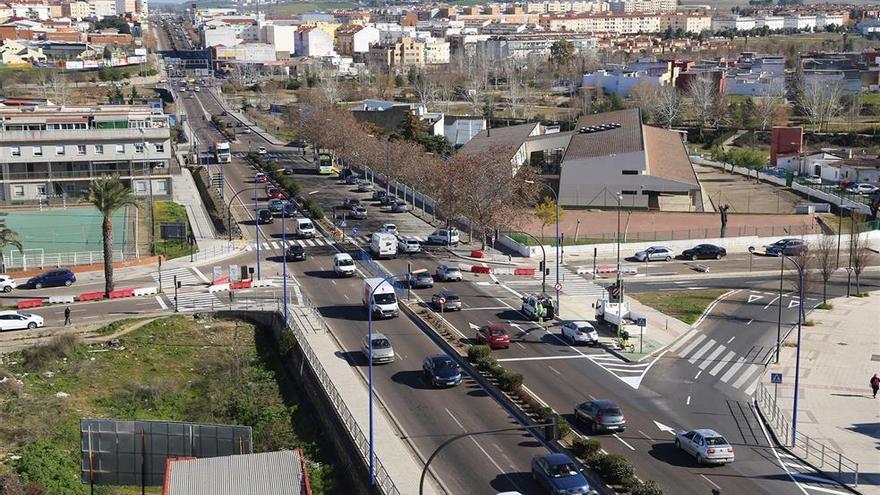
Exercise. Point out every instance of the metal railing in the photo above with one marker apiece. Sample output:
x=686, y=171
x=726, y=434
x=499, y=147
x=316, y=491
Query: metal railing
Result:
x=808, y=449
x=32, y=259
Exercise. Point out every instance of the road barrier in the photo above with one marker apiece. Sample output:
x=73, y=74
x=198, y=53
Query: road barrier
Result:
x=241, y=284
x=218, y=288
x=61, y=299
x=477, y=254
x=90, y=296
x=262, y=283
x=146, y=291
x=30, y=303
x=481, y=269
x=581, y=270
x=524, y=271
x=118, y=294
x=606, y=269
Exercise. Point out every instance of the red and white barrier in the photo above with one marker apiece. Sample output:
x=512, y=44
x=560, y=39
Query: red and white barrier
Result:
x=30, y=303
x=218, y=288
x=146, y=291
x=90, y=296
x=61, y=299
x=241, y=284
x=262, y=283
x=121, y=293
x=481, y=269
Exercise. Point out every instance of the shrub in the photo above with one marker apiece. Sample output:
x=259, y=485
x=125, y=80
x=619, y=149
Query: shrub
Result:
x=41, y=356
x=510, y=381
x=585, y=448
x=315, y=211
x=615, y=469
x=475, y=352
x=646, y=488
x=564, y=426
x=496, y=370
x=486, y=363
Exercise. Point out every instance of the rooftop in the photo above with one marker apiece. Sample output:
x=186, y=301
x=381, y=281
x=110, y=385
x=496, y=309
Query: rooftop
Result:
x=625, y=138
x=667, y=156
x=511, y=137
x=268, y=473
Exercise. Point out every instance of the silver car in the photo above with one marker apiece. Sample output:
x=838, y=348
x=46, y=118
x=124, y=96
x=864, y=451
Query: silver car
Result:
x=451, y=301
x=448, y=273
x=655, y=253
x=382, y=350
x=7, y=283
x=707, y=446
x=579, y=332
x=359, y=212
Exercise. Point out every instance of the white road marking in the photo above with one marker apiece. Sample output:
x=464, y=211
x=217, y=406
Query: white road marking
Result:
x=693, y=359
x=731, y=339
x=161, y=302
x=730, y=372
x=709, y=481
x=748, y=323
x=698, y=374
x=554, y=370
x=691, y=346
x=773, y=449
x=749, y=371
x=541, y=358
x=688, y=402
x=623, y=441
x=706, y=362
x=726, y=359
x=771, y=302
x=815, y=479
x=825, y=490
x=645, y=435
x=201, y=275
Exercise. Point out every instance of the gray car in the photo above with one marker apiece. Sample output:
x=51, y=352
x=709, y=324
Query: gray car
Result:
x=359, y=212
x=400, y=207
x=382, y=350
x=655, y=253
x=448, y=273
x=707, y=446
x=601, y=415
x=451, y=301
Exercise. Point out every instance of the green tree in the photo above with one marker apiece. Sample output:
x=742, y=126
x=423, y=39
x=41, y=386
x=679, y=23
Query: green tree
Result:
x=8, y=237
x=546, y=212
x=562, y=53
x=108, y=194
x=108, y=53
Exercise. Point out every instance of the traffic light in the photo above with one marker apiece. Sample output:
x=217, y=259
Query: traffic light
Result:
x=541, y=266
x=551, y=431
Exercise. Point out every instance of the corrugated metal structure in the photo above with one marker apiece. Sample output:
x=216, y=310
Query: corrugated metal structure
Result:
x=267, y=473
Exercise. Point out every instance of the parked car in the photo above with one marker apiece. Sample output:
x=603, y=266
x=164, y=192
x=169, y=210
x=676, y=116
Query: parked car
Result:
x=378, y=195
x=350, y=203
x=387, y=200
x=7, y=283
x=579, y=332
x=14, y=320
x=494, y=335
x=352, y=179
x=706, y=446
x=408, y=245
x=789, y=246
x=601, y=415
x=441, y=371
x=359, y=213
x=421, y=280
x=262, y=150
x=451, y=301
x=448, y=273
x=365, y=186
x=557, y=473
x=388, y=228
x=264, y=216
x=52, y=278
x=287, y=171
x=299, y=143
x=655, y=253
x=383, y=352
x=295, y=253
x=704, y=252
x=260, y=178
x=400, y=207
x=812, y=179
x=444, y=237
x=862, y=188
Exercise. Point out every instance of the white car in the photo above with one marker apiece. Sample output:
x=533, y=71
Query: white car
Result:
x=14, y=320
x=862, y=188
x=448, y=273
x=262, y=150
x=444, y=236
x=812, y=179
x=389, y=228
x=707, y=446
x=580, y=332
x=655, y=253
x=7, y=283
x=408, y=245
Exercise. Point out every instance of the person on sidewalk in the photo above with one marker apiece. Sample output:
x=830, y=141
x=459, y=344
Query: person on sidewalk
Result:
x=67, y=322
x=875, y=384
x=539, y=312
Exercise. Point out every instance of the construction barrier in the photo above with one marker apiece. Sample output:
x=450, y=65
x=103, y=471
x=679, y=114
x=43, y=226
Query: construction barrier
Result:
x=241, y=284
x=606, y=269
x=262, y=283
x=30, y=303
x=503, y=271
x=218, y=288
x=524, y=271
x=581, y=270
x=146, y=291
x=481, y=269
x=61, y=299
x=477, y=254
x=90, y=296
x=117, y=294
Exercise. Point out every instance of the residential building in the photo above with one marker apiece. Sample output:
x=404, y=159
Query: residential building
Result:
x=459, y=130
x=249, y=53
x=622, y=80
x=861, y=169
x=282, y=37
x=602, y=23
x=532, y=44
x=404, y=53
x=34, y=10
x=436, y=51
x=647, y=6
x=17, y=53
x=785, y=141
x=825, y=19
x=125, y=7
x=771, y=22
x=689, y=23
x=733, y=22
x=279, y=473
x=79, y=9
x=870, y=27
x=557, y=7
x=355, y=38
x=100, y=9
x=800, y=22
x=313, y=42
x=54, y=151
x=512, y=141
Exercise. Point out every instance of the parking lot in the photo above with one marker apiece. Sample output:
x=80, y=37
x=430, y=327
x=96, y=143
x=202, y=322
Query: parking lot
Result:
x=744, y=195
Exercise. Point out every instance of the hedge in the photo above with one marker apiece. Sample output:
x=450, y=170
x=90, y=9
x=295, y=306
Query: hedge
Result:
x=614, y=468
x=510, y=381
x=585, y=448
x=475, y=352
x=646, y=488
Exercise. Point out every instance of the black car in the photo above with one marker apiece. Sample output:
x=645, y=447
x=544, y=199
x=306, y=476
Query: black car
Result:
x=441, y=371
x=704, y=252
x=295, y=253
x=264, y=216
x=378, y=195
x=299, y=143
x=350, y=203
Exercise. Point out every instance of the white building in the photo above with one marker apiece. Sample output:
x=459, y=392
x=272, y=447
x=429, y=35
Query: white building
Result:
x=604, y=23
x=28, y=10
x=753, y=84
x=771, y=22
x=282, y=37
x=436, y=51
x=800, y=22
x=313, y=42
x=689, y=23
x=102, y=8
x=740, y=23
x=521, y=47
x=824, y=19
x=622, y=82
x=250, y=53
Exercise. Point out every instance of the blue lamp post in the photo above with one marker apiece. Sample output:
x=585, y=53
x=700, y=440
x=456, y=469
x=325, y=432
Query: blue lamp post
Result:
x=284, y=259
x=257, y=229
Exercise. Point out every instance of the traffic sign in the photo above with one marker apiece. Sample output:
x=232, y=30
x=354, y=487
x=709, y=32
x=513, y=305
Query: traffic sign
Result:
x=558, y=287
x=354, y=231
x=775, y=377
x=441, y=300
x=642, y=322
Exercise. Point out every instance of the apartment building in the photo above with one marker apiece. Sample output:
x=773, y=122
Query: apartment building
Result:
x=521, y=46
x=75, y=10
x=603, y=23
x=647, y=6
x=406, y=52
x=355, y=38
x=436, y=51
x=689, y=23
x=622, y=80
x=557, y=7
x=55, y=151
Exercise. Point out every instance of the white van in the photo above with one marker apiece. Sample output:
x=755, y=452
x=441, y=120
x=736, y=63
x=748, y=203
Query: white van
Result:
x=383, y=245
x=444, y=237
x=343, y=265
x=384, y=303
x=305, y=227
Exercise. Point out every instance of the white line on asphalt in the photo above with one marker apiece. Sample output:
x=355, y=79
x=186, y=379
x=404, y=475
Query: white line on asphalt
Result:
x=161, y=302
x=519, y=344
x=751, y=370
x=491, y=308
x=644, y=435
x=554, y=370
x=709, y=359
x=691, y=346
x=698, y=374
x=541, y=358
x=771, y=302
x=796, y=465
x=682, y=341
x=201, y=275
x=731, y=339
x=623, y=441
x=730, y=371
x=688, y=402
x=703, y=350
x=710, y=481
x=90, y=317
x=773, y=449
x=748, y=323
x=824, y=490
x=721, y=363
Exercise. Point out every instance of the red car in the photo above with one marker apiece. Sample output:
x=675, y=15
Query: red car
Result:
x=276, y=193
x=260, y=178
x=495, y=336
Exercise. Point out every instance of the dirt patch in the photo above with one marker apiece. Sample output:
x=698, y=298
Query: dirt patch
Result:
x=744, y=195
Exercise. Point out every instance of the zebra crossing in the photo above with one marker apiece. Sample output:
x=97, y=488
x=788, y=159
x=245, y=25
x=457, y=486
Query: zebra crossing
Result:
x=195, y=301
x=274, y=245
x=708, y=355
x=572, y=283
x=365, y=239
x=186, y=276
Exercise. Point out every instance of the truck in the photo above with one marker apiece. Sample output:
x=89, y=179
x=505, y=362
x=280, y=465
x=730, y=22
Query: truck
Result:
x=384, y=299
x=383, y=245
x=222, y=151
x=614, y=313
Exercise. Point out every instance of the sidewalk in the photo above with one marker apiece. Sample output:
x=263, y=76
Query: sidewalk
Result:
x=185, y=192
x=835, y=409
x=244, y=120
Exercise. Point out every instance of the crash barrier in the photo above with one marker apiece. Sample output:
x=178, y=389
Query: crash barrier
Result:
x=477, y=254
x=90, y=296
x=30, y=303
x=146, y=291
x=117, y=294
x=218, y=288
x=481, y=269
x=606, y=269
x=503, y=271
x=262, y=283
x=524, y=271
x=241, y=284
x=61, y=299
x=581, y=270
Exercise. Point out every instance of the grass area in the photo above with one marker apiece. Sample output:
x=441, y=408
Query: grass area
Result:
x=686, y=306
x=551, y=240
x=171, y=212
x=175, y=368
x=297, y=8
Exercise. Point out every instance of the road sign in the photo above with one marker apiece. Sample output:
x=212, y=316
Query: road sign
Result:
x=354, y=231
x=441, y=300
x=775, y=377
x=642, y=322
x=558, y=287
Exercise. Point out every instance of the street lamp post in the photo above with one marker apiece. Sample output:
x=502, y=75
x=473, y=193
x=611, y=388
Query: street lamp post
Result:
x=619, y=286
x=284, y=259
x=257, y=231
x=229, y=207
x=797, y=365
x=556, y=204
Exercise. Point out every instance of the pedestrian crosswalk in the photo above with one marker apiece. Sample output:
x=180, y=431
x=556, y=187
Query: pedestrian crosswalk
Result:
x=713, y=357
x=279, y=244
x=188, y=276
x=365, y=239
x=196, y=301
x=572, y=283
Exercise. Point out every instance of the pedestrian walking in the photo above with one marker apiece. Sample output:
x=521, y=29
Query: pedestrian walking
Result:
x=875, y=384
x=67, y=322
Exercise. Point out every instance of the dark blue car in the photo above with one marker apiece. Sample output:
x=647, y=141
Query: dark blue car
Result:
x=52, y=278
x=441, y=371
x=557, y=473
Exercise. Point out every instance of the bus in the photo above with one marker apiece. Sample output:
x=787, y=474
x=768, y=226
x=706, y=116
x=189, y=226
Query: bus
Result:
x=222, y=152
x=325, y=163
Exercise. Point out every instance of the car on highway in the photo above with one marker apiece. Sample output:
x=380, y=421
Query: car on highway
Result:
x=704, y=252
x=261, y=178
x=388, y=228
x=52, y=278
x=494, y=335
x=557, y=473
x=790, y=246
x=448, y=273
x=441, y=371
x=264, y=216
x=359, y=213
x=295, y=253
x=349, y=203
x=262, y=150
x=408, y=244
x=706, y=446
x=382, y=350
x=352, y=179
x=421, y=280
x=365, y=186
x=276, y=205
x=450, y=301
x=601, y=415
x=7, y=283
x=400, y=207
x=276, y=193
x=15, y=320
x=579, y=332
x=444, y=236
x=343, y=265
x=655, y=253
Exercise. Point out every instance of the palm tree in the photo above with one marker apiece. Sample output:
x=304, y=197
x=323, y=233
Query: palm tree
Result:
x=8, y=237
x=108, y=194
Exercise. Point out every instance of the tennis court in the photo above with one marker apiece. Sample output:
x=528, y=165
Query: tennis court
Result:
x=64, y=230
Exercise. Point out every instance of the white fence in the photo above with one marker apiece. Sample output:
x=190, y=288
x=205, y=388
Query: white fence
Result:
x=33, y=259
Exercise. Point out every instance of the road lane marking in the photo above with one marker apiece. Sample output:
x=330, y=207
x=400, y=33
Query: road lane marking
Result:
x=730, y=372
x=825, y=490
x=703, y=350
x=771, y=302
x=519, y=344
x=161, y=303
x=726, y=359
x=710, y=358
x=645, y=435
x=688, y=402
x=200, y=275
x=540, y=358
x=490, y=308
x=751, y=370
x=691, y=346
x=491, y=459
x=796, y=465
x=698, y=374
x=710, y=481
x=731, y=339
x=623, y=441
x=554, y=370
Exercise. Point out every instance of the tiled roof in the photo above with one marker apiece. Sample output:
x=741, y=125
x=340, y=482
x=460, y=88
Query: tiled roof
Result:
x=667, y=156
x=624, y=139
x=511, y=137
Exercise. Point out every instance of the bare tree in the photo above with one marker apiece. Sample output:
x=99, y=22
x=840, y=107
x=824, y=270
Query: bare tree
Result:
x=515, y=85
x=477, y=73
x=825, y=249
x=703, y=93
x=329, y=85
x=861, y=250
x=807, y=262
x=767, y=107
x=667, y=106
x=820, y=102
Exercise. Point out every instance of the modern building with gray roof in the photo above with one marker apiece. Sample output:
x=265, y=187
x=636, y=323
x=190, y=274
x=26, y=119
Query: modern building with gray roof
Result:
x=267, y=473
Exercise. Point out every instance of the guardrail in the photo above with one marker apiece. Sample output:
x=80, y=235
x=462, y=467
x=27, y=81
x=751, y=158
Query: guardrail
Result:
x=808, y=449
x=38, y=259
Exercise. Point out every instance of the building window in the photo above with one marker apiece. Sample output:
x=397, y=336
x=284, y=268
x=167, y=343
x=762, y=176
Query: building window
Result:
x=160, y=147
x=629, y=193
x=80, y=149
x=16, y=150
x=140, y=186
x=38, y=151
x=41, y=191
x=59, y=150
x=630, y=172
x=120, y=148
x=99, y=149
x=139, y=147
x=18, y=191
